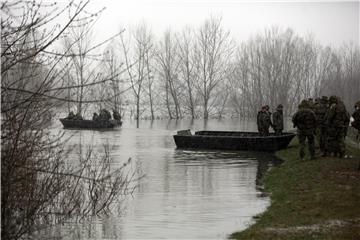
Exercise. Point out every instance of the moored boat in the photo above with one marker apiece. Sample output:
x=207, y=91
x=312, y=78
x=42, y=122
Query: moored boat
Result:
x=232, y=140
x=89, y=124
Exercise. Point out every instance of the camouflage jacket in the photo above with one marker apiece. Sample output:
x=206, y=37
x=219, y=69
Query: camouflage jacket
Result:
x=264, y=119
x=304, y=120
x=337, y=116
x=320, y=110
x=278, y=120
x=356, y=122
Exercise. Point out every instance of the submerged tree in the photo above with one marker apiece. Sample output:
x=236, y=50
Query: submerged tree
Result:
x=168, y=70
x=213, y=56
x=137, y=62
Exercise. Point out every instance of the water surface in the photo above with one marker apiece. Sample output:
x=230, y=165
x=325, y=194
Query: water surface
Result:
x=184, y=194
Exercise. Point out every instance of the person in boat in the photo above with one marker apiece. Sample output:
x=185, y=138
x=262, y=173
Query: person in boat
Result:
x=258, y=117
x=305, y=122
x=71, y=115
x=116, y=115
x=78, y=117
x=337, y=121
x=104, y=115
x=267, y=121
x=95, y=117
x=264, y=120
x=278, y=120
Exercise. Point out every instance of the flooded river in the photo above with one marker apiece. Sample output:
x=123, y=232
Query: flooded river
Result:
x=184, y=194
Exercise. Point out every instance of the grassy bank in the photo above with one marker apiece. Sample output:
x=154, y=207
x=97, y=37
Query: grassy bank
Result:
x=311, y=199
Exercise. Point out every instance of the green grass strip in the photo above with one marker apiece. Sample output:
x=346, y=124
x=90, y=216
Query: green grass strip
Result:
x=310, y=199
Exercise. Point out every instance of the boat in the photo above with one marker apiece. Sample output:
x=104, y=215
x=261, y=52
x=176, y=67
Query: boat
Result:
x=89, y=124
x=232, y=140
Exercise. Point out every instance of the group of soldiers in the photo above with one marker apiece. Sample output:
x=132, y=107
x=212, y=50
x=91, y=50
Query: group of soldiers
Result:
x=105, y=115
x=264, y=121
x=328, y=120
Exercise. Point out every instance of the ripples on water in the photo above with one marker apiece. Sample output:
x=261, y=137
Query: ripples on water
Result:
x=185, y=194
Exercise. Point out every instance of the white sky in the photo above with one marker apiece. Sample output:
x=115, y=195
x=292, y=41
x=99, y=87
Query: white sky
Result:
x=331, y=23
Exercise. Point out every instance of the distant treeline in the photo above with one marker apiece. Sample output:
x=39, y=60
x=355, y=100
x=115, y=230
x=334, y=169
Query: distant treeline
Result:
x=202, y=73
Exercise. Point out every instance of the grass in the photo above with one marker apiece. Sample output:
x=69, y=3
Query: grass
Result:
x=311, y=199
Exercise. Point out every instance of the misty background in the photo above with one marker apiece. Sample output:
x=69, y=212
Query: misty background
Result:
x=218, y=59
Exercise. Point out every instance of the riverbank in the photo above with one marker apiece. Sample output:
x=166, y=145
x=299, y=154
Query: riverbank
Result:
x=310, y=199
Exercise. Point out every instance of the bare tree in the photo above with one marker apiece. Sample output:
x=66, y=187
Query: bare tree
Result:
x=40, y=187
x=114, y=69
x=213, y=55
x=169, y=67
x=150, y=82
x=137, y=72
x=187, y=74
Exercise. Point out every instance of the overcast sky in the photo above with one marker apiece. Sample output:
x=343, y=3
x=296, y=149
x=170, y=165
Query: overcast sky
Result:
x=331, y=23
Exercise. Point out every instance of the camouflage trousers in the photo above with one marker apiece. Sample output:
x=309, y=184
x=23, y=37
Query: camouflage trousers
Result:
x=321, y=137
x=311, y=143
x=335, y=141
x=264, y=131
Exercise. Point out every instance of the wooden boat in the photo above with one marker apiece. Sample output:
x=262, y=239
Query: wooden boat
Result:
x=89, y=124
x=229, y=140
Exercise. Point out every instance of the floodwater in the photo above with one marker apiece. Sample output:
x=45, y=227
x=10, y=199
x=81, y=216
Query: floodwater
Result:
x=184, y=194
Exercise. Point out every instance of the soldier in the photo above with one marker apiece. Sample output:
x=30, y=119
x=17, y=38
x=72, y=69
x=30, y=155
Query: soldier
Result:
x=305, y=122
x=95, y=116
x=267, y=120
x=356, y=116
x=78, y=116
x=264, y=120
x=104, y=115
x=278, y=120
x=356, y=123
x=337, y=121
x=116, y=115
x=259, y=118
x=71, y=115
x=311, y=103
x=320, y=109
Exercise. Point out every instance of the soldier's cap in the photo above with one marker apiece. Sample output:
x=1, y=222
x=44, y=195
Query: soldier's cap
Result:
x=280, y=106
x=357, y=104
x=263, y=107
x=267, y=106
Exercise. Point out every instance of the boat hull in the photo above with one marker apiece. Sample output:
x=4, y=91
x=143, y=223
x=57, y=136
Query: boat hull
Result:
x=89, y=124
x=249, y=141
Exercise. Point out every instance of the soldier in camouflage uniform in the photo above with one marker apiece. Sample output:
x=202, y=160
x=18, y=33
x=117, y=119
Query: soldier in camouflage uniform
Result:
x=311, y=103
x=305, y=122
x=320, y=109
x=278, y=120
x=264, y=121
x=356, y=116
x=259, y=117
x=337, y=121
x=104, y=115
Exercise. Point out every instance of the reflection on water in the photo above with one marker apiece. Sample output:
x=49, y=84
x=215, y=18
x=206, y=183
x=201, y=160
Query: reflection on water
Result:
x=185, y=194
